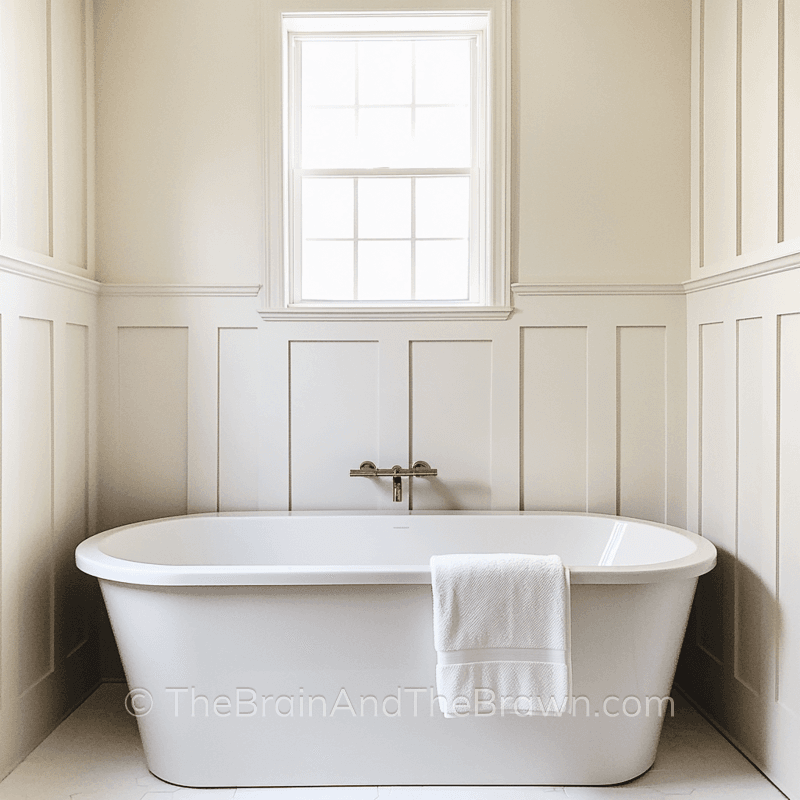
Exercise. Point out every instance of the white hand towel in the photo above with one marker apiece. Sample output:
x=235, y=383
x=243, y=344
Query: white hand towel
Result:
x=502, y=634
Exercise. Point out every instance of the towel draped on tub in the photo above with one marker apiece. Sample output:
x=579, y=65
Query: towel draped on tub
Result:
x=501, y=627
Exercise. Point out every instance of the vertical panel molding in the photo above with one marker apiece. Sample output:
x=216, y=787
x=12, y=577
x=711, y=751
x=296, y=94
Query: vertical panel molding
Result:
x=35, y=543
x=237, y=411
x=751, y=600
x=712, y=588
x=791, y=119
x=554, y=419
x=787, y=690
x=151, y=465
x=642, y=422
x=450, y=401
x=333, y=424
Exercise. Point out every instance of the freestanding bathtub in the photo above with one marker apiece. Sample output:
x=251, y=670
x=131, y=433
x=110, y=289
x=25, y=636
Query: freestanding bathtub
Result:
x=296, y=649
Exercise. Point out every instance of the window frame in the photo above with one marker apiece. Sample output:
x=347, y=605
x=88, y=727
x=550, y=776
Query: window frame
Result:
x=490, y=281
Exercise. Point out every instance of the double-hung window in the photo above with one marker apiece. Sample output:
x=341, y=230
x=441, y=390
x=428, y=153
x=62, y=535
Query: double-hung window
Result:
x=390, y=193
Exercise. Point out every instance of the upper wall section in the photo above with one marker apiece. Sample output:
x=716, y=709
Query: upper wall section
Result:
x=180, y=168
x=47, y=134
x=603, y=147
x=746, y=170
x=601, y=140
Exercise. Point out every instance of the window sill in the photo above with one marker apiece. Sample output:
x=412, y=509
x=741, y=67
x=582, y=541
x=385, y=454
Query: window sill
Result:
x=384, y=313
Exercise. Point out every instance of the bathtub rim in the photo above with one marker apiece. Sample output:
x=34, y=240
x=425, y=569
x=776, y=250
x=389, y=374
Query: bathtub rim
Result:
x=90, y=558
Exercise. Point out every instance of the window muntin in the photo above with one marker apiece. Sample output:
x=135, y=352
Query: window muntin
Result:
x=386, y=159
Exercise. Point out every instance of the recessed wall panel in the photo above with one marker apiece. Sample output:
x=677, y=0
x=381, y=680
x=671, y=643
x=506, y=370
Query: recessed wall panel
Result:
x=69, y=131
x=752, y=564
x=73, y=588
x=788, y=690
x=719, y=122
x=759, y=124
x=151, y=457
x=451, y=423
x=334, y=424
x=641, y=423
x=238, y=416
x=554, y=419
x=29, y=22
x=35, y=543
x=714, y=463
x=791, y=119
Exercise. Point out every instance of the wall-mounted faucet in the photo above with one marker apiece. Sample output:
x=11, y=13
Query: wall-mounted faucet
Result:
x=421, y=469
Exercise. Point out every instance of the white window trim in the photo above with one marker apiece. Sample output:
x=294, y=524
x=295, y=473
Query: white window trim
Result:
x=283, y=18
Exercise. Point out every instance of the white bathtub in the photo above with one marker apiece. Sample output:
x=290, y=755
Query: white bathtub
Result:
x=274, y=649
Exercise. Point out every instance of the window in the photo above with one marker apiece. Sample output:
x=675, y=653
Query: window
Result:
x=392, y=194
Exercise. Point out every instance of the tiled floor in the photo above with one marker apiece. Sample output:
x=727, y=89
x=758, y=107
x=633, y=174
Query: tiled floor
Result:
x=96, y=755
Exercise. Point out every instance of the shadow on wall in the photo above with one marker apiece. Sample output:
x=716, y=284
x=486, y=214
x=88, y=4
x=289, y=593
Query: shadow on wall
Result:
x=725, y=662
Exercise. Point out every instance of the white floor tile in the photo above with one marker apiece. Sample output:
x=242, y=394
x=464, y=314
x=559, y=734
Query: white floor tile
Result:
x=470, y=793
x=310, y=793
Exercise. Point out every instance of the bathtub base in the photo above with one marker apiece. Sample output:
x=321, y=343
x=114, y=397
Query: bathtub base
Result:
x=209, y=656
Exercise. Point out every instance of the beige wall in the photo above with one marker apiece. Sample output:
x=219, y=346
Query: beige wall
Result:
x=179, y=139
x=741, y=659
x=602, y=148
x=48, y=310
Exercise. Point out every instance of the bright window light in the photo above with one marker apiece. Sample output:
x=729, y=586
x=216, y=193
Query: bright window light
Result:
x=387, y=154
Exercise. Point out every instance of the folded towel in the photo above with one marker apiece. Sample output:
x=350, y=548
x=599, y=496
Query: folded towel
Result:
x=502, y=634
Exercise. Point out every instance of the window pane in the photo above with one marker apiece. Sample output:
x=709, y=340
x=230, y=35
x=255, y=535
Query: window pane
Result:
x=384, y=72
x=327, y=208
x=443, y=72
x=442, y=207
x=384, y=208
x=328, y=73
x=384, y=137
x=442, y=137
x=328, y=137
x=442, y=271
x=384, y=270
x=327, y=271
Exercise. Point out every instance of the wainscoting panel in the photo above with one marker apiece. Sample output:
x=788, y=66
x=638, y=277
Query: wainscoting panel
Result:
x=48, y=461
x=718, y=156
x=69, y=135
x=450, y=424
x=790, y=139
x=237, y=480
x=758, y=159
x=47, y=129
x=746, y=121
x=35, y=395
x=294, y=406
x=334, y=423
x=73, y=589
x=28, y=127
x=48, y=369
x=742, y=664
x=554, y=419
x=642, y=423
x=153, y=418
x=713, y=500
x=752, y=554
x=788, y=670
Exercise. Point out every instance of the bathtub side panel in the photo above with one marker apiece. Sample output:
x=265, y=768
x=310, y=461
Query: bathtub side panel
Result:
x=334, y=685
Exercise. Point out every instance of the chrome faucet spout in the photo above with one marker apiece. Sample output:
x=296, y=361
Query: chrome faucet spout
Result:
x=420, y=469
